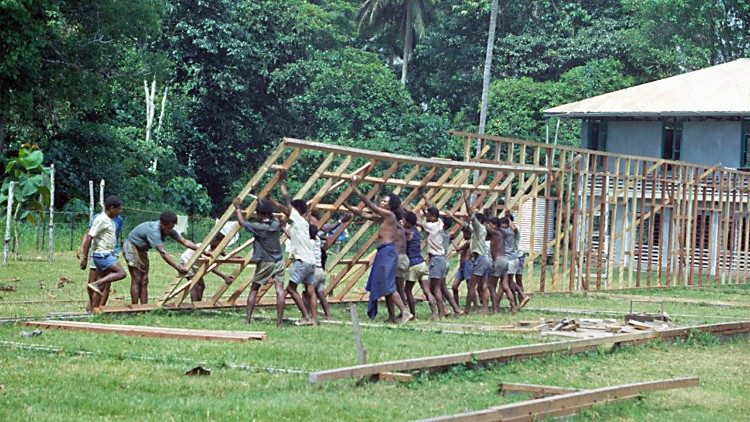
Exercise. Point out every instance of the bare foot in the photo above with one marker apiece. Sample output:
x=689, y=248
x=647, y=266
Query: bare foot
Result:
x=459, y=313
x=404, y=319
x=513, y=311
x=279, y=323
x=94, y=289
x=524, y=302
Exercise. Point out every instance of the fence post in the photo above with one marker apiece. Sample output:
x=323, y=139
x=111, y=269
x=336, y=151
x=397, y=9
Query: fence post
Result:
x=9, y=215
x=91, y=201
x=101, y=194
x=51, y=213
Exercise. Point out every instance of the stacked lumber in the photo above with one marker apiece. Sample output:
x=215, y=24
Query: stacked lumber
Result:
x=156, y=332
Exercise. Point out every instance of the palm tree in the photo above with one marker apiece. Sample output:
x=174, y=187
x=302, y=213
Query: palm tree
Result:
x=393, y=17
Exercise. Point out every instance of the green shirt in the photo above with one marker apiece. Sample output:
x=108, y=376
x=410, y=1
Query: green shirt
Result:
x=478, y=243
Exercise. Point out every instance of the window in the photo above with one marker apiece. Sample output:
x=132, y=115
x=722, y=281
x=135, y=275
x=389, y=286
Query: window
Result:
x=598, y=135
x=598, y=139
x=671, y=140
x=745, y=158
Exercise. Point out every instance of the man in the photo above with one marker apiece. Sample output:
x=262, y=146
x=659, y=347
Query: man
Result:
x=480, y=256
x=102, y=236
x=301, y=253
x=196, y=293
x=269, y=264
x=517, y=285
x=402, y=260
x=147, y=235
x=382, y=278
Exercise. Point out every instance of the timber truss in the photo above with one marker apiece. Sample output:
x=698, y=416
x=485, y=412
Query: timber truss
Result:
x=330, y=168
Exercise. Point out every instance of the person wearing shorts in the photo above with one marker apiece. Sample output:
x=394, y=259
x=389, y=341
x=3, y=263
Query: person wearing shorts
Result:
x=320, y=275
x=101, y=239
x=417, y=267
x=480, y=253
x=196, y=293
x=147, y=235
x=269, y=264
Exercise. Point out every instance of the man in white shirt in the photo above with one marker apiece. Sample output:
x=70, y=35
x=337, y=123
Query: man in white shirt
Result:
x=102, y=237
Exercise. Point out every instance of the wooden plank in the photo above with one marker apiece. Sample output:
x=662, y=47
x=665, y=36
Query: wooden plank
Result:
x=545, y=226
x=624, y=243
x=651, y=227
x=664, y=299
x=633, y=214
x=602, y=219
x=570, y=403
x=558, y=271
x=145, y=331
x=521, y=352
x=612, y=200
x=386, y=156
x=392, y=376
x=537, y=391
x=642, y=210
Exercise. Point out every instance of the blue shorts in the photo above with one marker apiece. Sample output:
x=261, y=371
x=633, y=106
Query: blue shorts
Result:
x=481, y=266
x=302, y=273
x=464, y=271
x=104, y=260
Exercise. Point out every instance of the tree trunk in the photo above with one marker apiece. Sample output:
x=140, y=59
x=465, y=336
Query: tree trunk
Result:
x=407, y=44
x=486, y=79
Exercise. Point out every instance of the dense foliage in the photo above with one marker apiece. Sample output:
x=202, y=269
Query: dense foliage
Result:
x=233, y=77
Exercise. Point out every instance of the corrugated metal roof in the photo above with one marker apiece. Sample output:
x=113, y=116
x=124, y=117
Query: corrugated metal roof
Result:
x=722, y=90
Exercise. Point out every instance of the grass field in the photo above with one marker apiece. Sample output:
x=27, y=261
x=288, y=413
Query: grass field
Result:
x=62, y=375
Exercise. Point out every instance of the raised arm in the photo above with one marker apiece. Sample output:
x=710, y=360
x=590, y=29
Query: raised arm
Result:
x=237, y=202
x=284, y=192
x=469, y=206
x=370, y=204
x=427, y=202
x=362, y=213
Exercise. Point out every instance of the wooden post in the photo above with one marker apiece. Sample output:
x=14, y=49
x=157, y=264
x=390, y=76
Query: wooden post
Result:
x=8, y=220
x=361, y=352
x=101, y=194
x=51, y=255
x=91, y=201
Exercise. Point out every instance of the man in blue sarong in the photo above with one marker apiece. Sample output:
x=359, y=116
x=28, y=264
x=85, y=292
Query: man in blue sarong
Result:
x=382, y=279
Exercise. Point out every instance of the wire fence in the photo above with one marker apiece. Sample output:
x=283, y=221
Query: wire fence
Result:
x=69, y=228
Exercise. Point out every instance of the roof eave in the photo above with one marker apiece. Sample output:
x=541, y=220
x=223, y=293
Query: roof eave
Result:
x=584, y=115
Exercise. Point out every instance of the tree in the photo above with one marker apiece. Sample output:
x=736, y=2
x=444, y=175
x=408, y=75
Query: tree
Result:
x=30, y=195
x=689, y=34
x=393, y=16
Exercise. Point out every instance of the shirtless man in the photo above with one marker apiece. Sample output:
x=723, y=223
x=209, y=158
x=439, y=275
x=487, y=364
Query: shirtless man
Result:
x=402, y=261
x=502, y=247
x=382, y=279
x=465, y=268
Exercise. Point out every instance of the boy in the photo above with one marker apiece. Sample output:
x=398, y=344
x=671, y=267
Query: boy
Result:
x=418, y=268
x=102, y=236
x=480, y=256
x=465, y=268
x=269, y=264
x=196, y=293
x=503, y=259
x=320, y=275
x=140, y=240
x=438, y=241
x=301, y=253
x=517, y=285
x=382, y=278
x=92, y=268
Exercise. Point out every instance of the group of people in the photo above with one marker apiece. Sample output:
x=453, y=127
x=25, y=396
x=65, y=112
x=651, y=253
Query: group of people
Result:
x=490, y=259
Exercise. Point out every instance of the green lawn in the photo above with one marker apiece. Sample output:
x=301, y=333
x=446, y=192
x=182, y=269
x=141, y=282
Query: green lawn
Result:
x=114, y=377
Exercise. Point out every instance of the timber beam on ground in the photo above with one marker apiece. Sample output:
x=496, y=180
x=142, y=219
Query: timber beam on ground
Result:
x=675, y=300
x=156, y=332
x=536, y=391
x=523, y=352
x=569, y=403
